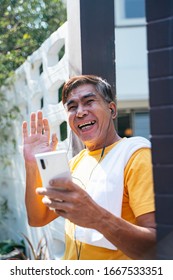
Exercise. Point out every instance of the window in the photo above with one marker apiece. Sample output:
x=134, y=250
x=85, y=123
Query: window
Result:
x=41, y=103
x=63, y=131
x=61, y=52
x=129, y=12
x=125, y=125
x=133, y=123
x=60, y=93
x=134, y=8
x=141, y=124
x=41, y=68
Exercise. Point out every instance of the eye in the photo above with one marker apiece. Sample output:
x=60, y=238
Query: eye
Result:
x=89, y=101
x=71, y=108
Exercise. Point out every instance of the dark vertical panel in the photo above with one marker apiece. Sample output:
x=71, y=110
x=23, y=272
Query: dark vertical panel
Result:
x=159, y=15
x=97, y=38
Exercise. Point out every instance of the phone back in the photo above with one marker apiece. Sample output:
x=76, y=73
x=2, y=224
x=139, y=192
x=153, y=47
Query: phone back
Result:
x=51, y=165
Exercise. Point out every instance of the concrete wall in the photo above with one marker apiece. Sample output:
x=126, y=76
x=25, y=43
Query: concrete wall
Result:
x=37, y=84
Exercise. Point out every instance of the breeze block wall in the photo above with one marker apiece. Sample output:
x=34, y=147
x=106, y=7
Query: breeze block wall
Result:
x=37, y=86
x=159, y=15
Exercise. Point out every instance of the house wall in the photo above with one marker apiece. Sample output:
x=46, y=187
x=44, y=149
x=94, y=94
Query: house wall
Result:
x=131, y=71
x=131, y=66
x=37, y=86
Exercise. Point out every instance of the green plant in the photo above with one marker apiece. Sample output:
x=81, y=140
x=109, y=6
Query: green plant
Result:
x=8, y=116
x=4, y=209
x=24, y=26
x=9, y=249
x=40, y=252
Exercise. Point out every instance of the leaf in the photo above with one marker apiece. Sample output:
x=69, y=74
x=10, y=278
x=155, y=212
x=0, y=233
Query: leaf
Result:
x=40, y=252
x=9, y=245
x=30, y=245
x=26, y=36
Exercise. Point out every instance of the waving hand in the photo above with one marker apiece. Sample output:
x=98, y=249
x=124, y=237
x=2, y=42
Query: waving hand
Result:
x=38, y=141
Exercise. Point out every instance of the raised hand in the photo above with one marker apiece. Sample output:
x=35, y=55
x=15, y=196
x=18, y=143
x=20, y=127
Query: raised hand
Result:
x=38, y=141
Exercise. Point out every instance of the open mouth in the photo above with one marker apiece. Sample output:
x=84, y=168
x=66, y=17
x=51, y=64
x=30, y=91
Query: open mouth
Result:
x=86, y=125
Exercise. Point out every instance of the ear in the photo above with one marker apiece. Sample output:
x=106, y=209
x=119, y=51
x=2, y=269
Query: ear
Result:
x=113, y=109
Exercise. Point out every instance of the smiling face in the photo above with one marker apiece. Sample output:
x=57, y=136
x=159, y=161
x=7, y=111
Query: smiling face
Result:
x=90, y=117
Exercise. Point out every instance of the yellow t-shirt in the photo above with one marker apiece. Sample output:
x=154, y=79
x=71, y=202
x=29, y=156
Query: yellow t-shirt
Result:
x=138, y=199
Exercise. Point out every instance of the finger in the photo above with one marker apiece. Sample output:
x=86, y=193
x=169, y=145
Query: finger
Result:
x=46, y=127
x=61, y=213
x=47, y=202
x=53, y=194
x=52, y=198
x=60, y=195
x=60, y=185
x=58, y=205
x=39, y=122
x=54, y=142
x=65, y=183
x=41, y=191
x=50, y=192
x=25, y=129
x=33, y=123
x=50, y=202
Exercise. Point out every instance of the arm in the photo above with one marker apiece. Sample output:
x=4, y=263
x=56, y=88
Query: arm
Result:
x=135, y=241
x=36, y=142
x=38, y=214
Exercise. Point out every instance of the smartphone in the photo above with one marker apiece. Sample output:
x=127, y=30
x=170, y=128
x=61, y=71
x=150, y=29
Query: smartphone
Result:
x=51, y=165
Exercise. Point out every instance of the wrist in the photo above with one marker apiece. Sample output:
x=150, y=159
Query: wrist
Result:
x=30, y=163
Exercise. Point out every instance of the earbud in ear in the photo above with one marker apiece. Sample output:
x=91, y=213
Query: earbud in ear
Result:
x=112, y=111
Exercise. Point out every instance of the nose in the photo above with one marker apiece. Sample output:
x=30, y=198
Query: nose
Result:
x=81, y=111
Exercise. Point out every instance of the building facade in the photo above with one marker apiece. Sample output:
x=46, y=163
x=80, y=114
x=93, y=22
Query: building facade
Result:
x=131, y=68
x=38, y=85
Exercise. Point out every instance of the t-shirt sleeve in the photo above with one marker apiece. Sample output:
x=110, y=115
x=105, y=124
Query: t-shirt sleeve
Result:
x=139, y=182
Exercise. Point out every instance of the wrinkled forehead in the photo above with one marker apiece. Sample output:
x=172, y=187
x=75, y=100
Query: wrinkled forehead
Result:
x=81, y=90
x=81, y=97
